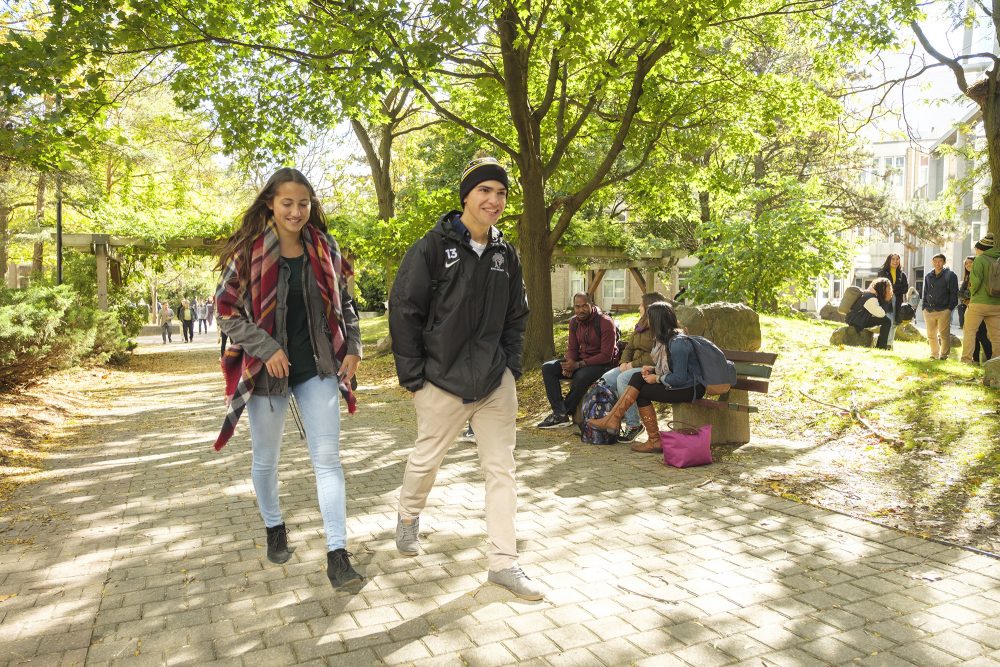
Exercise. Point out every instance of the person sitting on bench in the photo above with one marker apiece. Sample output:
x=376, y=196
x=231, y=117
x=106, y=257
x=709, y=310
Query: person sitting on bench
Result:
x=591, y=351
x=870, y=311
x=670, y=380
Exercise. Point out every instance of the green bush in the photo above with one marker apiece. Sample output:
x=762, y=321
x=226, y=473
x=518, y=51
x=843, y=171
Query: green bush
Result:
x=370, y=291
x=44, y=328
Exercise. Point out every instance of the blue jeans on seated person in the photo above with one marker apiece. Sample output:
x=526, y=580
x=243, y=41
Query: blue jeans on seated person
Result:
x=617, y=380
x=319, y=403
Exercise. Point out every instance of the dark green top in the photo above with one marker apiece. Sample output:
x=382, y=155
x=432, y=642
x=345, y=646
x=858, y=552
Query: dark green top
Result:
x=300, y=351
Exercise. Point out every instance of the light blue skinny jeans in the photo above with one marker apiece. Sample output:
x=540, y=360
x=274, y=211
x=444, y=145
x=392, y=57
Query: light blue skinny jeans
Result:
x=319, y=403
x=617, y=381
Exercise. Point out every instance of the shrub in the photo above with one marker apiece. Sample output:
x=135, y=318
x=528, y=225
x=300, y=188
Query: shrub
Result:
x=44, y=328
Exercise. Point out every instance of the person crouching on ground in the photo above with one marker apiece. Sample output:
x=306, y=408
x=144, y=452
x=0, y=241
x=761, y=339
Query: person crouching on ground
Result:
x=293, y=331
x=457, y=314
x=590, y=352
x=871, y=310
x=635, y=355
x=673, y=378
x=983, y=308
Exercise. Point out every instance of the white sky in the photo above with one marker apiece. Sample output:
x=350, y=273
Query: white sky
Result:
x=925, y=108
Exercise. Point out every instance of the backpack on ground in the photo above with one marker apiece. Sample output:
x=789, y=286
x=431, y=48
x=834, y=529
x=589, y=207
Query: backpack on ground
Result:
x=991, y=281
x=851, y=295
x=718, y=374
x=597, y=403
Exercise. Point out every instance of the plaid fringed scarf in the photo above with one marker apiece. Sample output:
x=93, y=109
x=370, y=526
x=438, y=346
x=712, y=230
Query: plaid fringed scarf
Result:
x=241, y=371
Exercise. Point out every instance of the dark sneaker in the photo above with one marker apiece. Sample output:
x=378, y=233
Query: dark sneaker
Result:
x=408, y=536
x=629, y=433
x=339, y=570
x=467, y=435
x=277, y=544
x=517, y=582
x=555, y=421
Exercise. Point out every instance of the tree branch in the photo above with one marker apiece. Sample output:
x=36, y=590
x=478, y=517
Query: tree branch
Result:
x=951, y=63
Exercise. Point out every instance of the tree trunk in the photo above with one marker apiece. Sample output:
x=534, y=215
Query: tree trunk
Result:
x=991, y=124
x=38, y=253
x=536, y=262
x=4, y=222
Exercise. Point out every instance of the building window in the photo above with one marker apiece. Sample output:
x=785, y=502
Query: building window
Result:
x=838, y=288
x=577, y=283
x=614, y=285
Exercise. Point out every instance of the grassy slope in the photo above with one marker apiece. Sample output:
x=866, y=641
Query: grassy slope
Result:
x=940, y=477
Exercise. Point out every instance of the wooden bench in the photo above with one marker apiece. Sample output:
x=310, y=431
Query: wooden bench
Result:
x=729, y=414
x=624, y=308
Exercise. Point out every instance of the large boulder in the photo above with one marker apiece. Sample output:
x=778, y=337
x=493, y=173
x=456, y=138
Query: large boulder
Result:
x=907, y=332
x=733, y=326
x=829, y=312
x=991, y=373
x=850, y=337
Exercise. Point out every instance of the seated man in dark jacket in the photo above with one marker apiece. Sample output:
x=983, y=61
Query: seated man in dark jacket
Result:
x=591, y=351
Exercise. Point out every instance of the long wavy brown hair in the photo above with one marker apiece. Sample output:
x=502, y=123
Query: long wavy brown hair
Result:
x=254, y=220
x=648, y=299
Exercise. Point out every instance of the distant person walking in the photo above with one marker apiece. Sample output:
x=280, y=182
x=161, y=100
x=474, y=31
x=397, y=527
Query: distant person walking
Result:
x=940, y=299
x=201, y=311
x=983, y=308
x=210, y=310
x=165, y=318
x=293, y=331
x=457, y=314
x=186, y=315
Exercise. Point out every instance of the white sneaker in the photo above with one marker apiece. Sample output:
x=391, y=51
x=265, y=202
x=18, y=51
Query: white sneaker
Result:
x=517, y=582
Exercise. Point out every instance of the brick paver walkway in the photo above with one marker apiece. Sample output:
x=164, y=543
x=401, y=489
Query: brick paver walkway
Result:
x=145, y=547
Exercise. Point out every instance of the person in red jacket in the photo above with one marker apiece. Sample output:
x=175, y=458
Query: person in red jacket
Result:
x=592, y=350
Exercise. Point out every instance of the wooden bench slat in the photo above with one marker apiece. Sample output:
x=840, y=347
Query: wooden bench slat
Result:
x=747, y=384
x=720, y=405
x=752, y=370
x=753, y=357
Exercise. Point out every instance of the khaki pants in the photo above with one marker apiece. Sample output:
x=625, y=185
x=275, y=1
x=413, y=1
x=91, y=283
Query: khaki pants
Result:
x=974, y=316
x=440, y=416
x=939, y=326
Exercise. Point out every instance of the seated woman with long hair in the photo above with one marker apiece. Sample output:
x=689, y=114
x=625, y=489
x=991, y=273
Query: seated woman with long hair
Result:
x=870, y=310
x=672, y=378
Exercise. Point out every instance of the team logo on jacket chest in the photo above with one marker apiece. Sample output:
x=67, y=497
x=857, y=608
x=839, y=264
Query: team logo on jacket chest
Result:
x=496, y=264
x=450, y=257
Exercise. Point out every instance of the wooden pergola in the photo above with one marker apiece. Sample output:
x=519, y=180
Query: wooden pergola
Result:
x=103, y=246
x=600, y=260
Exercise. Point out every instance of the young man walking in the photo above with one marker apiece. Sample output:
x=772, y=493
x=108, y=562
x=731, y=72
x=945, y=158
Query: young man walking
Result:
x=590, y=353
x=940, y=299
x=982, y=306
x=457, y=314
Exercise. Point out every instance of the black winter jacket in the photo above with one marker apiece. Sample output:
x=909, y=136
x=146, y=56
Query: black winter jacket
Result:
x=899, y=288
x=940, y=291
x=461, y=325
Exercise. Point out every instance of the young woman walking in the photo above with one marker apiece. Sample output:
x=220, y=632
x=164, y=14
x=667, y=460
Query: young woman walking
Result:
x=293, y=331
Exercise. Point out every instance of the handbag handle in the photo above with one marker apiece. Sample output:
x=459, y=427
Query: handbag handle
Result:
x=682, y=427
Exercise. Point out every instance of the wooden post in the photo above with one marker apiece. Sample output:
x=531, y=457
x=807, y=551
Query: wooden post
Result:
x=101, y=252
x=640, y=280
x=595, y=281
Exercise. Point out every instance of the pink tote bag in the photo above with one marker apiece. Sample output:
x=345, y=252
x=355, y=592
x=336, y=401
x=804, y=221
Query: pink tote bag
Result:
x=685, y=446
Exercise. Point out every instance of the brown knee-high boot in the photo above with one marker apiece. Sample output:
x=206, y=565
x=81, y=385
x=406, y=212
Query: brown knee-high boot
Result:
x=647, y=414
x=612, y=421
